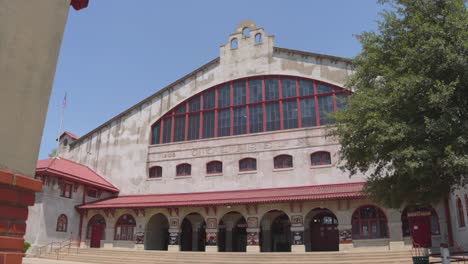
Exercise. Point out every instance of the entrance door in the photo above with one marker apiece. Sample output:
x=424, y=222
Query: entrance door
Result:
x=96, y=235
x=324, y=233
x=420, y=228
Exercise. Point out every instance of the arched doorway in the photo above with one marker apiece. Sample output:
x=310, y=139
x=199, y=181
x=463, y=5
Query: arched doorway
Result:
x=157, y=233
x=322, y=230
x=420, y=223
x=193, y=232
x=232, y=233
x=275, y=232
x=96, y=230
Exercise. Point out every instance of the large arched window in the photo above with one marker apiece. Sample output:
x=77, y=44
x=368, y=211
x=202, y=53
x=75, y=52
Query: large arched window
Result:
x=460, y=213
x=184, y=169
x=155, y=172
x=250, y=105
x=125, y=227
x=214, y=167
x=369, y=222
x=320, y=158
x=283, y=161
x=62, y=223
x=248, y=164
x=405, y=227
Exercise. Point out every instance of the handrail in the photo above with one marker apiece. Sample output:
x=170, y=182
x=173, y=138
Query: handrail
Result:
x=43, y=249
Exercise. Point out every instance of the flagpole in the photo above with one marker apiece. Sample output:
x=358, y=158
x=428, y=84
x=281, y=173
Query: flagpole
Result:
x=61, y=125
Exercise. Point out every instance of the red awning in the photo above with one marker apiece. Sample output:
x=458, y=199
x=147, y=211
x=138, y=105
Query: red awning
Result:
x=73, y=171
x=303, y=193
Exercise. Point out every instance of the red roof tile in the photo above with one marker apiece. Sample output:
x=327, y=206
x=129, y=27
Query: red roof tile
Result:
x=73, y=171
x=66, y=133
x=303, y=193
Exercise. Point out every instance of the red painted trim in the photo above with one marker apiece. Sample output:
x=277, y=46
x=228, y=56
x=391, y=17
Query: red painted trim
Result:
x=334, y=100
x=161, y=129
x=449, y=221
x=216, y=113
x=298, y=103
x=231, y=112
x=317, y=117
x=369, y=221
x=172, y=128
x=263, y=105
x=247, y=109
x=280, y=96
x=200, y=128
x=186, y=121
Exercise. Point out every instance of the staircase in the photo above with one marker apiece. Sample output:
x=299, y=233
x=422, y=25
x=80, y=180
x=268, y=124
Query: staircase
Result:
x=112, y=256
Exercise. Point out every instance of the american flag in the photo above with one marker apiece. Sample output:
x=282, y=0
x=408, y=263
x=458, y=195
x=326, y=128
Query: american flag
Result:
x=64, y=103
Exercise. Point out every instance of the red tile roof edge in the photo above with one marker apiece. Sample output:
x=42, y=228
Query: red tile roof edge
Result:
x=47, y=169
x=73, y=136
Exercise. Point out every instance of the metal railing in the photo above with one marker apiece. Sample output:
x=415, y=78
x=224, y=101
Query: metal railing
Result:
x=57, y=247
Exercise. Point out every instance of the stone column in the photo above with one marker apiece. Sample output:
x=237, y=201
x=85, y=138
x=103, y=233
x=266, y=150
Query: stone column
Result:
x=174, y=238
x=297, y=239
x=211, y=242
x=253, y=244
x=345, y=236
x=395, y=232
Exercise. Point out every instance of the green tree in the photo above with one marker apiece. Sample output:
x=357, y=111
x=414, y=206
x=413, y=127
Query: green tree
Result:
x=52, y=153
x=406, y=125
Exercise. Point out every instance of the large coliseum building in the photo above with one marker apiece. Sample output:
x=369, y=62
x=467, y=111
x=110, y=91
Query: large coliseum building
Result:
x=231, y=157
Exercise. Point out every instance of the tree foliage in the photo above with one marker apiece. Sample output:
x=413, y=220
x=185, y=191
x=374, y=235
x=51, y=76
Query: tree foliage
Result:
x=406, y=125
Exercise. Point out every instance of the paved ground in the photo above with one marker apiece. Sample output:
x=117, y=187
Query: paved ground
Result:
x=48, y=261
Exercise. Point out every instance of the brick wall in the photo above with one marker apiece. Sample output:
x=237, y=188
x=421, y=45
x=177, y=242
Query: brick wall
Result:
x=16, y=194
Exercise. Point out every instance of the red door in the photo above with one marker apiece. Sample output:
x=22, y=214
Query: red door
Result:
x=420, y=228
x=96, y=235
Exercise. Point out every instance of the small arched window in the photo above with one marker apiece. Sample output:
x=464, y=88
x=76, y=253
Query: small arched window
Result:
x=234, y=43
x=155, y=172
x=184, y=169
x=320, y=158
x=461, y=214
x=283, y=161
x=246, y=32
x=125, y=227
x=369, y=222
x=62, y=223
x=213, y=167
x=248, y=164
x=258, y=38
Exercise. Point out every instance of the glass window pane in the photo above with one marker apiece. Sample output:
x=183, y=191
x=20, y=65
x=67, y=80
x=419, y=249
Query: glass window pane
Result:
x=224, y=95
x=209, y=99
x=240, y=121
x=194, y=104
x=181, y=109
x=325, y=107
x=179, y=128
x=290, y=114
x=194, y=125
x=208, y=124
x=272, y=116
x=322, y=88
x=224, y=123
x=306, y=87
x=255, y=90
x=308, y=112
x=167, y=130
x=271, y=89
x=256, y=118
x=239, y=93
x=288, y=87
x=341, y=101
x=383, y=229
x=156, y=133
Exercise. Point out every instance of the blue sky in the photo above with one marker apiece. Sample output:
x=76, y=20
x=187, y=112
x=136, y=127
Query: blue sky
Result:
x=115, y=53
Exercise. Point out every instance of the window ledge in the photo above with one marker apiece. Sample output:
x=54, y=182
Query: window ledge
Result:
x=462, y=228
x=321, y=166
x=247, y=172
x=183, y=177
x=154, y=179
x=213, y=174
x=284, y=169
x=372, y=239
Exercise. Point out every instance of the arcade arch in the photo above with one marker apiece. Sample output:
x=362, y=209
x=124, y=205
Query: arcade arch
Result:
x=275, y=232
x=193, y=233
x=157, y=233
x=232, y=233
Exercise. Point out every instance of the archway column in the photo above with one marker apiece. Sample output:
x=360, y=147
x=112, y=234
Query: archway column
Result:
x=174, y=239
x=297, y=239
x=253, y=240
x=346, y=236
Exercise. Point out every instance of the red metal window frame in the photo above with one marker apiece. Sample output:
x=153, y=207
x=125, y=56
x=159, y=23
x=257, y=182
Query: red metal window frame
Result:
x=66, y=190
x=184, y=169
x=324, y=158
x=461, y=214
x=62, y=223
x=176, y=111
x=404, y=220
x=379, y=219
x=94, y=221
x=127, y=225
x=155, y=172
x=283, y=161
x=248, y=164
x=214, y=167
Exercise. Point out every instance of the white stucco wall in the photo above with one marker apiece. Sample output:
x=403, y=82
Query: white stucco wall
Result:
x=460, y=234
